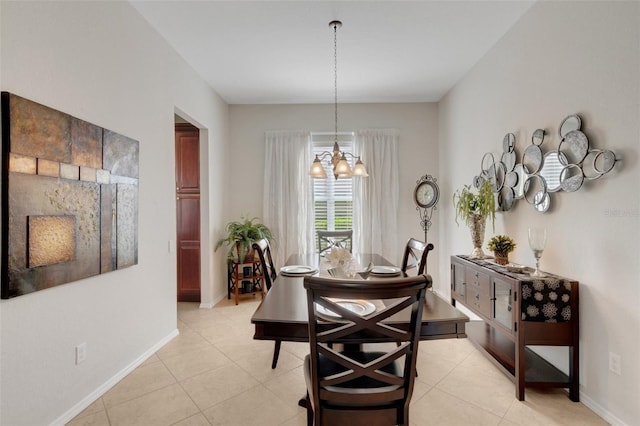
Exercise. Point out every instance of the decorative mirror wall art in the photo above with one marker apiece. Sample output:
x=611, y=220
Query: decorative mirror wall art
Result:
x=69, y=198
x=542, y=169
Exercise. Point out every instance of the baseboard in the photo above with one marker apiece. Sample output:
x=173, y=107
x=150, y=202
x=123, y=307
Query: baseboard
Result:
x=601, y=411
x=210, y=305
x=215, y=302
x=101, y=390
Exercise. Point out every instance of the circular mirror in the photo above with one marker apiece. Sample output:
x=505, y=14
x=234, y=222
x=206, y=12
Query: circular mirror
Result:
x=495, y=174
x=511, y=180
x=509, y=160
x=551, y=168
x=487, y=162
x=538, y=137
x=492, y=171
x=578, y=147
x=535, y=184
x=532, y=158
x=542, y=201
x=509, y=142
x=478, y=181
x=604, y=161
x=571, y=178
x=589, y=165
x=570, y=123
x=520, y=186
x=505, y=198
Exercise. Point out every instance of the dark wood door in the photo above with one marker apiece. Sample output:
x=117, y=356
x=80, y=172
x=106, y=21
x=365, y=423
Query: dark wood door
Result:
x=188, y=211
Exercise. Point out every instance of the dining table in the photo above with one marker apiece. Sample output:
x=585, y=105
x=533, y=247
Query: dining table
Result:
x=282, y=314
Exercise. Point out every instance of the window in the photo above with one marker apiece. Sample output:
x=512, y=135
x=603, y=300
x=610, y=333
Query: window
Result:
x=332, y=199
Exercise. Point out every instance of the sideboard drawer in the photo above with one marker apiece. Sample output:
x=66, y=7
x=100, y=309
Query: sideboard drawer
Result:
x=478, y=291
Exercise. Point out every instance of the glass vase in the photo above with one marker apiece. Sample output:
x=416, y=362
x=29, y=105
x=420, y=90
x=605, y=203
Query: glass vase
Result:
x=476, y=225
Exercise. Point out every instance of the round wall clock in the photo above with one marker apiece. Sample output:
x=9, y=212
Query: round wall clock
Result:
x=426, y=193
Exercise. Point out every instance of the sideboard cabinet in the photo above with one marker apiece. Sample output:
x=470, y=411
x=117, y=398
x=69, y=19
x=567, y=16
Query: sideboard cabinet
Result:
x=518, y=310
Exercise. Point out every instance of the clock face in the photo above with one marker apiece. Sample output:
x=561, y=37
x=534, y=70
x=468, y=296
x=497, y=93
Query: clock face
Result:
x=426, y=194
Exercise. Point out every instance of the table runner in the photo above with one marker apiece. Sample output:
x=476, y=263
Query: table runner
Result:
x=544, y=299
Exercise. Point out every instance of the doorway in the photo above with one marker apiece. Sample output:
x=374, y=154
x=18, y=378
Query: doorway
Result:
x=187, y=152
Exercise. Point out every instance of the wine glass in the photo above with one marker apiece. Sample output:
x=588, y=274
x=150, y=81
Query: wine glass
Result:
x=537, y=241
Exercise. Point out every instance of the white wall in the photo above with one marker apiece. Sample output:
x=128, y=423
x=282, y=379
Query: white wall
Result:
x=563, y=58
x=418, y=150
x=101, y=62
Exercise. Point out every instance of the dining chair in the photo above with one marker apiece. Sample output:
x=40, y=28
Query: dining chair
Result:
x=269, y=275
x=418, y=252
x=329, y=239
x=263, y=249
x=370, y=381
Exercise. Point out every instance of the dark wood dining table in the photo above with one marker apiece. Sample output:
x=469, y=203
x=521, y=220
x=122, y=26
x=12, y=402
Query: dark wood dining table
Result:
x=283, y=315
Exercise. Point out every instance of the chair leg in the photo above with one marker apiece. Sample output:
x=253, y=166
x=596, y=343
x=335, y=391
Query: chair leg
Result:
x=304, y=402
x=405, y=415
x=276, y=353
x=309, y=412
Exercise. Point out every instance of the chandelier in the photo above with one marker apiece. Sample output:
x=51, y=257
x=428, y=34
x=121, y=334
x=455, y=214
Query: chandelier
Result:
x=337, y=158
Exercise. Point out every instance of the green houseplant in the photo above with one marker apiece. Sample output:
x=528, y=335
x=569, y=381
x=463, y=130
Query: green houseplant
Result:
x=474, y=208
x=501, y=246
x=241, y=235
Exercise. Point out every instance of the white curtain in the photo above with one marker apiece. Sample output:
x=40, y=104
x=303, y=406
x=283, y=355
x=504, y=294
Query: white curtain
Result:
x=287, y=200
x=375, y=203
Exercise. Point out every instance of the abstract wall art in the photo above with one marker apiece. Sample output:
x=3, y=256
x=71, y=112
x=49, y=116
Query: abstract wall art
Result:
x=69, y=198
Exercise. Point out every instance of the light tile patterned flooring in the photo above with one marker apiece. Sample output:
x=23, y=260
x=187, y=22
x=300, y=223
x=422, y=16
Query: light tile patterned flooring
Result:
x=214, y=373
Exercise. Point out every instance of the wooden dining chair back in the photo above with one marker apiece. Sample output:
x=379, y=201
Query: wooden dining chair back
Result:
x=362, y=385
x=330, y=239
x=269, y=273
x=415, y=254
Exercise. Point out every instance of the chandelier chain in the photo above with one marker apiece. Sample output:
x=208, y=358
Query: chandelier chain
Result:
x=335, y=78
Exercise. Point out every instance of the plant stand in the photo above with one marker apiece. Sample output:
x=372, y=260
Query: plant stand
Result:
x=244, y=278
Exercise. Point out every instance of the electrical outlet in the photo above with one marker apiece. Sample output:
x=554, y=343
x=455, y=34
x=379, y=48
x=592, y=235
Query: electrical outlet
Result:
x=615, y=363
x=81, y=353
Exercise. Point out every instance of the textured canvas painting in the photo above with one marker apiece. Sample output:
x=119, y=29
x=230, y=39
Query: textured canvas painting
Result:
x=69, y=198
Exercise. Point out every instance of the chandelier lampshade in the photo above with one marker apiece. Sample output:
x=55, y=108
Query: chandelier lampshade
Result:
x=359, y=169
x=317, y=169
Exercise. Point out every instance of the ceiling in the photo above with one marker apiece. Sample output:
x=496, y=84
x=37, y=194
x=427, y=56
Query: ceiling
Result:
x=275, y=52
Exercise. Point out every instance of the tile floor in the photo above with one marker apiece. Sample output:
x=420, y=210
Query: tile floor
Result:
x=214, y=373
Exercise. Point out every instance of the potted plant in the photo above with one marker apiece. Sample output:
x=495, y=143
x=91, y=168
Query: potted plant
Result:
x=474, y=209
x=241, y=235
x=501, y=246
